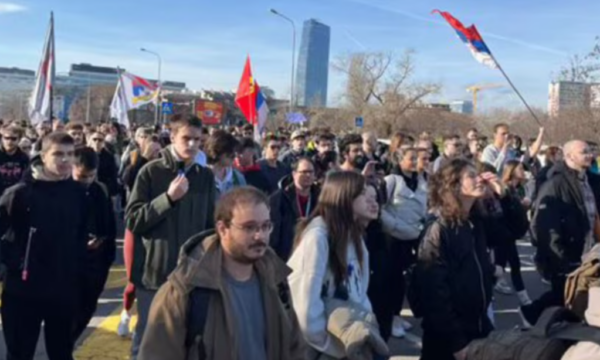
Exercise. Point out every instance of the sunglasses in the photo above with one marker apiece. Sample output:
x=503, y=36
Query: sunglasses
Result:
x=9, y=138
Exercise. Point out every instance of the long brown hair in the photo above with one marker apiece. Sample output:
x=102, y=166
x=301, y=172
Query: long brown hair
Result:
x=335, y=207
x=509, y=171
x=444, y=191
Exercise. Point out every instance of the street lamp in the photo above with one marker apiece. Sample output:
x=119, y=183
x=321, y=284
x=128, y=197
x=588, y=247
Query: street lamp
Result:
x=293, y=92
x=159, y=82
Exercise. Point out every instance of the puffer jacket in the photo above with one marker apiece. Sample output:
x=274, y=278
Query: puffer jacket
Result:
x=405, y=211
x=454, y=277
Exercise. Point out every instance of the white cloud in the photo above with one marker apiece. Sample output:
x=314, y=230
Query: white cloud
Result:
x=11, y=8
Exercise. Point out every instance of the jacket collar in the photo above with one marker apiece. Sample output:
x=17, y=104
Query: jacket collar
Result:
x=203, y=265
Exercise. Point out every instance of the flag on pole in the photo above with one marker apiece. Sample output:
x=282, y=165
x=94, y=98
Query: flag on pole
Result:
x=40, y=103
x=137, y=90
x=251, y=101
x=119, y=105
x=471, y=37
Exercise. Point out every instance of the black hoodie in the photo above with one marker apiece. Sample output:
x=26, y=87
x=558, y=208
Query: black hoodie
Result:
x=44, y=237
x=12, y=168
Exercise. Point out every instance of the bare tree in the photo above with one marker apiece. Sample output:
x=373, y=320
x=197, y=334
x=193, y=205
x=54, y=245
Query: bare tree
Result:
x=380, y=87
x=100, y=98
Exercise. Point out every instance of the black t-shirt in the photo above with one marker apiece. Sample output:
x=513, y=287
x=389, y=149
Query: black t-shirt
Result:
x=12, y=168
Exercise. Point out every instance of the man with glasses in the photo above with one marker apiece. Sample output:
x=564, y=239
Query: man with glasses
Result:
x=295, y=200
x=228, y=298
x=173, y=199
x=271, y=167
x=107, y=164
x=452, y=149
x=13, y=161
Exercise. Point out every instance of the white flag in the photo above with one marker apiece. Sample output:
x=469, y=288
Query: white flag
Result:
x=119, y=106
x=40, y=104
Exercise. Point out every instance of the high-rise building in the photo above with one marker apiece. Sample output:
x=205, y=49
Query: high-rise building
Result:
x=570, y=95
x=313, y=65
x=462, y=107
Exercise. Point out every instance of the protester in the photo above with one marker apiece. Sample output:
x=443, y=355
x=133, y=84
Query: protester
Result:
x=107, y=165
x=232, y=287
x=403, y=216
x=453, y=247
x=133, y=149
x=101, y=230
x=251, y=171
x=298, y=149
x=563, y=224
x=201, y=157
x=26, y=146
x=149, y=151
x=325, y=164
x=452, y=150
x=325, y=143
x=76, y=132
x=43, y=223
x=330, y=260
x=499, y=152
x=271, y=167
x=172, y=200
x=351, y=152
x=423, y=163
x=13, y=161
x=399, y=140
x=220, y=153
x=294, y=201
x=472, y=134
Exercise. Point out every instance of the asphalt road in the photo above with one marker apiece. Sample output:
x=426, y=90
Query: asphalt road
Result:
x=101, y=342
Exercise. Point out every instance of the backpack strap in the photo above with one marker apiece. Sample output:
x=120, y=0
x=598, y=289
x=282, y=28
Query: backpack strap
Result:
x=579, y=332
x=197, y=314
x=551, y=317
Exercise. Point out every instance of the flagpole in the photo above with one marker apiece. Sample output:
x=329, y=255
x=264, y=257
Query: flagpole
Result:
x=517, y=91
x=53, y=65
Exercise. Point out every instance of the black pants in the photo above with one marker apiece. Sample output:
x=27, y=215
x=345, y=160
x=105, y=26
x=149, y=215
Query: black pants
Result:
x=506, y=252
x=22, y=319
x=403, y=256
x=90, y=293
x=553, y=297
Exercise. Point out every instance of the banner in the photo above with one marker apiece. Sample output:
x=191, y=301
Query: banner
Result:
x=210, y=112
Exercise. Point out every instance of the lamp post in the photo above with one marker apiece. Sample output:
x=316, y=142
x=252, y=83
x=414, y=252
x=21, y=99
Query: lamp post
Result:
x=156, y=121
x=293, y=90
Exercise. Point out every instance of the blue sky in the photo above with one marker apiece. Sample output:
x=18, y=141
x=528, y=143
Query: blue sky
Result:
x=204, y=42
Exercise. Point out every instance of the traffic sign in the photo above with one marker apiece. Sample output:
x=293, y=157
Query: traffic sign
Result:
x=359, y=122
x=167, y=108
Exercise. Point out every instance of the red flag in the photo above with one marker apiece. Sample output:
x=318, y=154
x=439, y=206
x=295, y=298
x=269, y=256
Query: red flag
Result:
x=246, y=94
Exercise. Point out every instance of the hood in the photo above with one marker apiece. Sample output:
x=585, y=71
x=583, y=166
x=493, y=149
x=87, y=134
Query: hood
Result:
x=201, y=264
x=38, y=173
x=285, y=182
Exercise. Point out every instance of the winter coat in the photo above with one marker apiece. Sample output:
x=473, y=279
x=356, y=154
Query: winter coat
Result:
x=285, y=215
x=201, y=266
x=585, y=350
x=12, y=168
x=405, y=211
x=255, y=177
x=43, y=226
x=108, y=171
x=312, y=282
x=161, y=226
x=274, y=174
x=454, y=280
x=560, y=223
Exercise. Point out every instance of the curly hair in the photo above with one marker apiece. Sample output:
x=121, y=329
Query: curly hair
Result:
x=444, y=190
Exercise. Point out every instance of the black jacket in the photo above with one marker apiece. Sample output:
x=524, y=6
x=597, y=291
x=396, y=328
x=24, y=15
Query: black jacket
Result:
x=12, y=168
x=255, y=177
x=101, y=223
x=510, y=225
x=560, y=222
x=454, y=277
x=108, y=171
x=132, y=169
x=50, y=216
x=285, y=215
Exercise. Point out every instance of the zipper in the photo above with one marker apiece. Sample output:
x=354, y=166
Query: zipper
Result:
x=25, y=272
x=480, y=282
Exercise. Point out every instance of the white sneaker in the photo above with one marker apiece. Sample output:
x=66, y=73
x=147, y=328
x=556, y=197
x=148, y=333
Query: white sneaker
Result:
x=524, y=298
x=503, y=288
x=123, y=328
x=397, y=328
x=406, y=325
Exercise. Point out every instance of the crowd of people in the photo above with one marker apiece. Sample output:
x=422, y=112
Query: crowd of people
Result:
x=300, y=245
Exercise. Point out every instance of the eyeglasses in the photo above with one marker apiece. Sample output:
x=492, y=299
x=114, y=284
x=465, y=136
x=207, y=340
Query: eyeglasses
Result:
x=254, y=228
x=9, y=138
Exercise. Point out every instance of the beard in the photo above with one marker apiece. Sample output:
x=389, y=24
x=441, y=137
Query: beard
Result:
x=359, y=162
x=238, y=254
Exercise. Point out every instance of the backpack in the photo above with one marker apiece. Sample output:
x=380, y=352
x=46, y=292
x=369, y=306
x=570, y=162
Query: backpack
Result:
x=197, y=314
x=556, y=330
x=578, y=283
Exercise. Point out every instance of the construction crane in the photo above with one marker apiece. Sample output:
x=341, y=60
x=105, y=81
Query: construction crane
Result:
x=475, y=89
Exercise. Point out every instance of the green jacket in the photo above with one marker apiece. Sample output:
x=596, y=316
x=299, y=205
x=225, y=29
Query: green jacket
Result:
x=161, y=227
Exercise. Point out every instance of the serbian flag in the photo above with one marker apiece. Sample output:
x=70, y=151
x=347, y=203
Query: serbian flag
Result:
x=251, y=101
x=40, y=103
x=471, y=37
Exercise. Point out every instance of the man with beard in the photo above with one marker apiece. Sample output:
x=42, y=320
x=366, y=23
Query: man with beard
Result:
x=228, y=298
x=76, y=132
x=351, y=150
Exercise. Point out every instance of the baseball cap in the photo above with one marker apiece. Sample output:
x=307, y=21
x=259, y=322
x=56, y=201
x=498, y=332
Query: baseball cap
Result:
x=297, y=134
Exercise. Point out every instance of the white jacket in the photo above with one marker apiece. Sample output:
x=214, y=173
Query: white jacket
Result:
x=403, y=214
x=311, y=275
x=585, y=350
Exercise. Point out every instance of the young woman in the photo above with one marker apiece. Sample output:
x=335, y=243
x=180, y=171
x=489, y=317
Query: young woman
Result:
x=453, y=276
x=330, y=259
